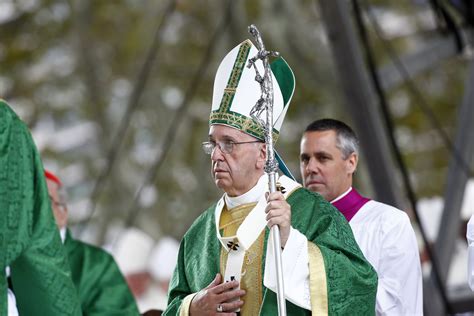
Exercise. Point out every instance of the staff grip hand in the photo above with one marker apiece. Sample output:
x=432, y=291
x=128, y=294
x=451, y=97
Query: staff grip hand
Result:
x=279, y=213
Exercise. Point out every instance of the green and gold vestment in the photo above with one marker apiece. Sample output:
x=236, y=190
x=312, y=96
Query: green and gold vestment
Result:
x=342, y=282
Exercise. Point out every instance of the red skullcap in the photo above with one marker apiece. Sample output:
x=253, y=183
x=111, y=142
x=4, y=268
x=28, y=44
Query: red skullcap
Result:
x=51, y=176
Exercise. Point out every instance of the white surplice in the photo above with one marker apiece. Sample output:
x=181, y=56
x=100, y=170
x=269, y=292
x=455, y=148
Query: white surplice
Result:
x=387, y=240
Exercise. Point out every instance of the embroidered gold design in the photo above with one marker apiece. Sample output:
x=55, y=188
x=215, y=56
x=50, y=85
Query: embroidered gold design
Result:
x=241, y=122
x=251, y=278
x=234, y=216
x=223, y=115
x=235, y=75
x=252, y=281
x=251, y=256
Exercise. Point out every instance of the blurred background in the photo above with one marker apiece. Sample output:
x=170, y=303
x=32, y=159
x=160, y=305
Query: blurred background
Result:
x=117, y=95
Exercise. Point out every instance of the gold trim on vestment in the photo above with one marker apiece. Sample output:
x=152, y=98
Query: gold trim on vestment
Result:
x=235, y=215
x=291, y=192
x=186, y=305
x=317, y=281
x=251, y=277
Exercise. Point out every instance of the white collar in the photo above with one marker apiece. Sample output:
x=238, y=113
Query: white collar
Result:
x=255, y=221
x=341, y=196
x=251, y=196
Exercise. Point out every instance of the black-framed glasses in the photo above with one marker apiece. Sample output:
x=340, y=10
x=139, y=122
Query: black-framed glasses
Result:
x=226, y=146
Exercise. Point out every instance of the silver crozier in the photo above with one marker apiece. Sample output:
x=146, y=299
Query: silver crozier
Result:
x=265, y=103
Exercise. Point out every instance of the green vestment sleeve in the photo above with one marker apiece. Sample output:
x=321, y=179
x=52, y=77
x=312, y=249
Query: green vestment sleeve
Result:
x=101, y=286
x=29, y=239
x=351, y=282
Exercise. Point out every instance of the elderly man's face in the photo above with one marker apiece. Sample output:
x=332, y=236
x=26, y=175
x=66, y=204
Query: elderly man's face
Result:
x=237, y=172
x=322, y=166
x=57, y=204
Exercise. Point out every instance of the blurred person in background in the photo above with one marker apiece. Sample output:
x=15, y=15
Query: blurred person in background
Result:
x=132, y=251
x=161, y=265
x=39, y=279
x=329, y=154
x=101, y=287
x=148, y=267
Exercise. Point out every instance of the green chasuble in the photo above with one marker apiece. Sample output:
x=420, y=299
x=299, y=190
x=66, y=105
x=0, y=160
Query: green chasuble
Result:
x=345, y=285
x=101, y=286
x=29, y=239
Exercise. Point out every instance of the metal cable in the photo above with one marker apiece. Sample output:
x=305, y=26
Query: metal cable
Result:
x=397, y=152
x=422, y=103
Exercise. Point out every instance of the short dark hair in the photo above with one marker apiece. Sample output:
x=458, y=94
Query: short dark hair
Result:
x=347, y=140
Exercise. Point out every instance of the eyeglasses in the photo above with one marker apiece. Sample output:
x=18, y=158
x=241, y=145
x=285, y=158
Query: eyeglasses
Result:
x=225, y=146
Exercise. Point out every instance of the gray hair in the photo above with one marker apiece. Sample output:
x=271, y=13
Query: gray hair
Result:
x=347, y=140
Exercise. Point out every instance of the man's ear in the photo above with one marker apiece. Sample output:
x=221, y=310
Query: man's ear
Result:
x=262, y=156
x=351, y=163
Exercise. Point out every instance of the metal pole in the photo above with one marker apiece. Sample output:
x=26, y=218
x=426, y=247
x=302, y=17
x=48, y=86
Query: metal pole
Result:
x=457, y=177
x=361, y=102
x=271, y=166
x=454, y=190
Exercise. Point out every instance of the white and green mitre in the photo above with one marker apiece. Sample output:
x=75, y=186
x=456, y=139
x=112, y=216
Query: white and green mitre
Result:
x=236, y=92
